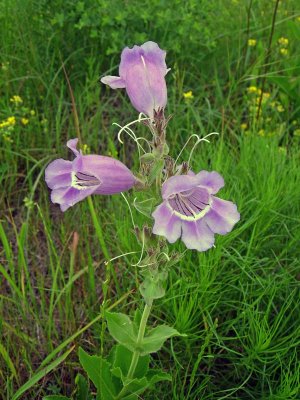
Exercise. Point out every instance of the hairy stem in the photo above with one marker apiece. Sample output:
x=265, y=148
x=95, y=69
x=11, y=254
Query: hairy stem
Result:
x=136, y=354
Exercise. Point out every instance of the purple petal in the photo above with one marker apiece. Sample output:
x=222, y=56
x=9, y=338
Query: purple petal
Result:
x=196, y=235
x=154, y=54
x=72, y=144
x=222, y=216
x=143, y=69
x=177, y=184
x=115, y=82
x=211, y=180
x=150, y=52
x=113, y=175
x=166, y=223
x=58, y=173
x=69, y=196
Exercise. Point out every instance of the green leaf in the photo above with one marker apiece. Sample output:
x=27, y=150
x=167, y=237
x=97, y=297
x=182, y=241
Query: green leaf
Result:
x=98, y=371
x=136, y=386
x=155, y=376
x=122, y=329
x=56, y=397
x=151, y=289
x=156, y=170
x=145, y=207
x=156, y=338
x=147, y=158
x=82, y=392
x=40, y=374
x=122, y=362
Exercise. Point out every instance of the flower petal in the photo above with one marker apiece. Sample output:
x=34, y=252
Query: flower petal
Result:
x=154, y=54
x=113, y=175
x=177, y=184
x=211, y=180
x=67, y=197
x=72, y=144
x=222, y=216
x=166, y=223
x=197, y=235
x=58, y=173
x=143, y=69
x=115, y=82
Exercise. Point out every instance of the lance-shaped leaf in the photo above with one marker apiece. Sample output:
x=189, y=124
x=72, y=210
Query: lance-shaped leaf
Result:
x=156, y=338
x=122, y=329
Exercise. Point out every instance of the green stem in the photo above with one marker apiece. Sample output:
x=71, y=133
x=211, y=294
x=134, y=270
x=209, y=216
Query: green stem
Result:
x=136, y=354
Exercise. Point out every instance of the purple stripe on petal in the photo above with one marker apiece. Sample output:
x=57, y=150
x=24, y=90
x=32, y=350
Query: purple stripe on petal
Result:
x=166, y=223
x=197, y=235
x=113, y=175
x=58, y=173
x=211, y=180
x=177, y=184
x=222, y=216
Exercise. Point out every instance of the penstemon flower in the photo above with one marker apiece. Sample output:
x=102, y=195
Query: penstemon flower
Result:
x=191, y=211
x=72, y=181
x=142, y=72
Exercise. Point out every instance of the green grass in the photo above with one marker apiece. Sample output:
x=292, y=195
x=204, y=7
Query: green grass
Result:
x=239, y=302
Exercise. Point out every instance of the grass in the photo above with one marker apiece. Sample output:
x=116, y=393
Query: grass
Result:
x=238, y=303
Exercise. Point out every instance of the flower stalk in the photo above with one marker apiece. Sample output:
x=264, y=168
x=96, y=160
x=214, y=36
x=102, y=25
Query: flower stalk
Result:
x=136, y=353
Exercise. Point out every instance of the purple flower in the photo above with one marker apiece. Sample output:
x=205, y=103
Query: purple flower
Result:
x=72, y=181
x=142, y=72
x=191, y=211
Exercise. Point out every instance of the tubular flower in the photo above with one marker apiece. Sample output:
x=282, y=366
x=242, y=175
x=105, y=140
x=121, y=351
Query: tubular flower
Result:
x=191, y=211
x=142, y=72
x=72, y=181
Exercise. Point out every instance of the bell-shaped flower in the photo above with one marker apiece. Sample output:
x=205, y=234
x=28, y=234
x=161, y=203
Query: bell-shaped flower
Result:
x=142, y=72
x=72, y=181
x=191, y=211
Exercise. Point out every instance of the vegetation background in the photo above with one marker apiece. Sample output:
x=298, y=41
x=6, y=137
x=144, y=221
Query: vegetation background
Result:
x=231, y=72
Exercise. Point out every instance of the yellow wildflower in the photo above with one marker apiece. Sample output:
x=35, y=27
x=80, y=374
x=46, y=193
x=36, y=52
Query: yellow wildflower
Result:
x=32, y=113
x=86, y=149
x=252, y=89
x=283, y=51
x=298, y=19
x=244, y=126
x=16, y=99
x=188, y=95
x=261, y=132
x=11, y=120
x=24, y=121
x=283, y=41
x=280, y=108
x=297, y=132
x=252, y=42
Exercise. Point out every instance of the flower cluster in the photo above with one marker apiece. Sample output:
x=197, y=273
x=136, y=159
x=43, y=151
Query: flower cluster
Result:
x=189, y=208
